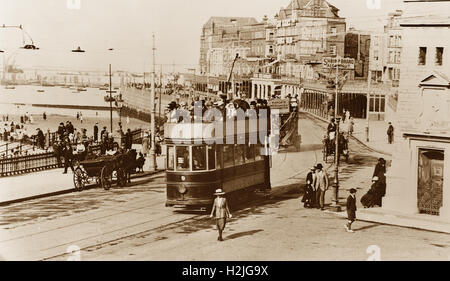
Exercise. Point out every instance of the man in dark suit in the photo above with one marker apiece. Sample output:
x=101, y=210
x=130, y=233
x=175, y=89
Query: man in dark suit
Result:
x=309, y=199
x=95, y=132
x=351, y=210
x=68, y=156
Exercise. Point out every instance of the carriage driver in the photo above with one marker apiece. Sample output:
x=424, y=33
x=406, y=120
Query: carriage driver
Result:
x=331, y=130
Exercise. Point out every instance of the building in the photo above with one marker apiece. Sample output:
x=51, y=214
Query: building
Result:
x=357, y=46
x=222, y=33
x=393, y=31
x=307, y=31
x=418, y=181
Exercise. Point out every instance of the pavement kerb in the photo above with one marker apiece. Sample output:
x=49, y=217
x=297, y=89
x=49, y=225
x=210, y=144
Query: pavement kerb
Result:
x=65, y=191
x=351, y=136
x=376, y=218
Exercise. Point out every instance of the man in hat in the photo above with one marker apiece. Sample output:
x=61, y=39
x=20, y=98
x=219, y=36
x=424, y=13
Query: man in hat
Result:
x=96, y=132
x=40, y=138
x=320, y=185
x=68, y=157
x=309, y=199
x=220, y=208
x=61, y=130
x=351, y=210
x=390, y=133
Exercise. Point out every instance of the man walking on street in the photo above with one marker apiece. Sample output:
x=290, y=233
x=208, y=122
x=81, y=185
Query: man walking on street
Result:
x=390, y=133
x=68, y=156
x=309, y=198
x=351, y=210
x=321, y=185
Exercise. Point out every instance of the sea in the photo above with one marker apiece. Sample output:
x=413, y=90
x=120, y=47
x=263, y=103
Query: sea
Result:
x=26, y=98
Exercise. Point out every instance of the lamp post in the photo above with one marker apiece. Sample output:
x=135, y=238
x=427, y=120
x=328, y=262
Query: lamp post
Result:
x=335, y=204
x=152, y=113
x=110, y=98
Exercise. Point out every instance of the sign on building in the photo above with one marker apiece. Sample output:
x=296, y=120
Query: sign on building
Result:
x=281, y=104
x=342, y=63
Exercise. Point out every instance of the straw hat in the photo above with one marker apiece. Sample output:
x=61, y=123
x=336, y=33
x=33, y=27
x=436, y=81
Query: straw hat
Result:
x=219, y=192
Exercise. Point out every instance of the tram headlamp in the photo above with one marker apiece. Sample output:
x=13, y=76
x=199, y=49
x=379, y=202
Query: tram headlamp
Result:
x=183, y=178
x=182, y=189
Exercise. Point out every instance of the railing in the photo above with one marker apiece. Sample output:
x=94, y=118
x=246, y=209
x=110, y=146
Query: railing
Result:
x=31, y=163
x=26, y=164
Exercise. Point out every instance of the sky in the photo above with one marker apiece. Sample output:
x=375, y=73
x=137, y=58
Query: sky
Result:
x=127, y=27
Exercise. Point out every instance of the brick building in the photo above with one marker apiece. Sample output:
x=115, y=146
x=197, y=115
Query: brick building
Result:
x=418, y=182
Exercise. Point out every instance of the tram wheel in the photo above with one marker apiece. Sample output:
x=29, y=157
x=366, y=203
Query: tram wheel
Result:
x=78, y=179
x=106, y=178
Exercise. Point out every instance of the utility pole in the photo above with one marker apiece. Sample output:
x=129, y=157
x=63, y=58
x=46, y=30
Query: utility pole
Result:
x=160, y=91
x=369, y=81
x=335, y=205
x=110, y=99
x=152, y=113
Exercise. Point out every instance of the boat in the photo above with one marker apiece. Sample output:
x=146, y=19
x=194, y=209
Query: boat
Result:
x=10, y=87
x=107, y=98
x=81, y=89
x=103, y=88
x=40, y=91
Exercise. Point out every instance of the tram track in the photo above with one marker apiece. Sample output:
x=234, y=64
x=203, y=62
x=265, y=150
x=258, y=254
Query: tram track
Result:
x=144, y=227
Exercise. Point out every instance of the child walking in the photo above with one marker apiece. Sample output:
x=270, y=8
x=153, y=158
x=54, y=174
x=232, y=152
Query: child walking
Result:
x=351, y=210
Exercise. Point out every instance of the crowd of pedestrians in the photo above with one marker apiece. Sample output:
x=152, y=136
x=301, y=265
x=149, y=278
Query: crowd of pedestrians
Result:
x=317, y=183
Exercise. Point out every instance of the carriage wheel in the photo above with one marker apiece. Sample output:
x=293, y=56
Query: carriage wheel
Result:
x=121, y=177
x=106, y=178
x=78, y=179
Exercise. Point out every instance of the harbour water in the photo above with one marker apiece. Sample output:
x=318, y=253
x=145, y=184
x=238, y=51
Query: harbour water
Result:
x=26, y=98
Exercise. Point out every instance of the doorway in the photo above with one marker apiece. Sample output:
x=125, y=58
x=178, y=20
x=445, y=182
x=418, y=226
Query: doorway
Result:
x=430, y=181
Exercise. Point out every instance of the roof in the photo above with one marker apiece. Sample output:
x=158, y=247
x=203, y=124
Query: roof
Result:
x=301, y=4
x=229, y=20
x=425, y=20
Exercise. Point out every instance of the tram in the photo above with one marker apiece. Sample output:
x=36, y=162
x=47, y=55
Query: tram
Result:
x=198, y=163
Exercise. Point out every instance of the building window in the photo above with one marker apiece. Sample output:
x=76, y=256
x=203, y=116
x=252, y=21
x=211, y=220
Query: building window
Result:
x=422, y=55
x=377, y=103
x=333, y=31
x=439, y=53
x=332, y=50
x=375, y=54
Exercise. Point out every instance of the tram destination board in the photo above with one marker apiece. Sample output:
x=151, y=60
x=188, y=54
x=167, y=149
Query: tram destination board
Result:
x=279, y=104
x=343, y=63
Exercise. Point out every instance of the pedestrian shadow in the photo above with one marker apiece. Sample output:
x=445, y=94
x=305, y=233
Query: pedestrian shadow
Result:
x=241, y=234
x=367, y=227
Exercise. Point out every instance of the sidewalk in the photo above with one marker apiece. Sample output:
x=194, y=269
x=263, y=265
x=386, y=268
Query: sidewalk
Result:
x=377, y=134
x=40, y=184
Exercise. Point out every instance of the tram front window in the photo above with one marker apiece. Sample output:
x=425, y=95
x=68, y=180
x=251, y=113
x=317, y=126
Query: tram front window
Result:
x=198, y=158
x=170, y=158
x=182, y=158
x=211, y=158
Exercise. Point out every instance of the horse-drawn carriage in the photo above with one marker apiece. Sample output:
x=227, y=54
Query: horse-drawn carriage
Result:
x=329, y=146
x=106, y=169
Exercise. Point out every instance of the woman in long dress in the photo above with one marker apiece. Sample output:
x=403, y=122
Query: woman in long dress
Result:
x=220, y=208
